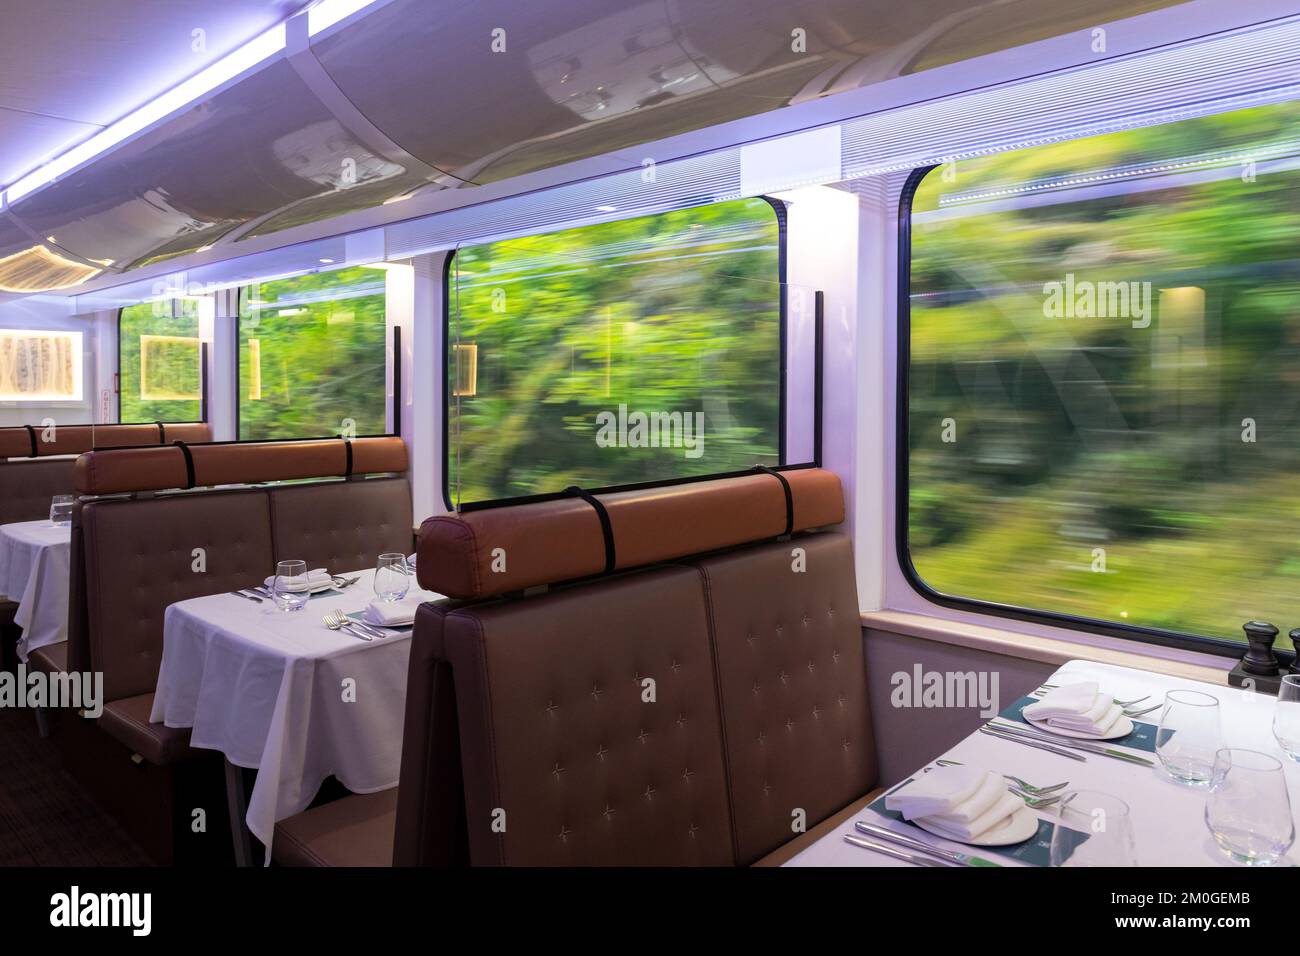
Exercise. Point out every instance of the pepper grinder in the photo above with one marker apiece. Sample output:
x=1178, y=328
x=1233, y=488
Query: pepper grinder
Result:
x=1260, y=659
x=1295, y=642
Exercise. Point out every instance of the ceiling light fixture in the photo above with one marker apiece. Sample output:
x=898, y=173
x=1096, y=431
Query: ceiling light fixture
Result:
x=329, y=12
x=224, y=70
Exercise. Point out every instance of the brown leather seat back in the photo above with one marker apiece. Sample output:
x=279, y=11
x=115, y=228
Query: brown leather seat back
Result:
x=430, y=829
x=792, y=683
x=566, y=760
x=342, y=525
x=139, y=558
x=26, y=487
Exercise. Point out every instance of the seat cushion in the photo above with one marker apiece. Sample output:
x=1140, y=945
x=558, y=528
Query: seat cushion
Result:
x=127, y=720
x=788, y=851
x=341, y=525
x=52, y=658
x=354, y=831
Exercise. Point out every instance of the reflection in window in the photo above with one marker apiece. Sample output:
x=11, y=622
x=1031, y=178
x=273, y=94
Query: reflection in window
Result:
x=158, y=356
x=313, y=356
x=1104, y=411
x=640, y=350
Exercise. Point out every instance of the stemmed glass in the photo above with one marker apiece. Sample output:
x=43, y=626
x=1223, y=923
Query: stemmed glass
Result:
x=1248, y=809
x=1092, y=829
x=1286, y=718
x=1189, y=736
x=392, y=577
x=291, y=585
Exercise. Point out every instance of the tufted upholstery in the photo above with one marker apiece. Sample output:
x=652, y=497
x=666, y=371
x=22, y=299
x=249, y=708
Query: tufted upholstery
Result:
x=341, y=525
x=138, y=559
x=792, y=685
x=555, y=733
x=26, y=487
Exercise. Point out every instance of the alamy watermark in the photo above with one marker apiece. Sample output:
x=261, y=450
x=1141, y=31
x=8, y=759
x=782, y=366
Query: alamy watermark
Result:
x=639, y=429
x=947, y=689
x=75, y=690
x=1084, y=299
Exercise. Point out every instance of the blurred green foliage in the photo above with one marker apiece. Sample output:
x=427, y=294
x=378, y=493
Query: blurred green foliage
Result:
x=313, y=355
x=1078, y=434
x=678, y=312
x=154, y=377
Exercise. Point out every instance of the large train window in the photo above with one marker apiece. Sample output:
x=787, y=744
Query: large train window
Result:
x=158, y=362
x=1103, y=380
x=646, y=349
x=313, y=356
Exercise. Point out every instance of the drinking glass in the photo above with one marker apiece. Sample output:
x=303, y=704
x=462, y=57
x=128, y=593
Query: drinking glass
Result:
x=61, y=510
x=1188, y=736
x=1104, y=820
x=392, y=577
x=1248, y=810
x=291, y=587
x=1286, y=718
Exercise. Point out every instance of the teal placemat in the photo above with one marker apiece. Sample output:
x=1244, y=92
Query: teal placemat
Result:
x=1036, y=851
x=1143, y=736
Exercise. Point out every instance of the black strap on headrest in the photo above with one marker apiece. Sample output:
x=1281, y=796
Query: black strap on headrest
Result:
x=789, y=496
x=189, y=463
x=606, y=528
x=162, y=433
x=31, y=434
x=348, y=446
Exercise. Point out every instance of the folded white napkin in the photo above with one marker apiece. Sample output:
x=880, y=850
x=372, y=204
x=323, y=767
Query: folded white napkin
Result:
x=1080, y=707
x=410, y=561
x=942, y=790
x=317, y=577
x=990, y=820
x=393, y=613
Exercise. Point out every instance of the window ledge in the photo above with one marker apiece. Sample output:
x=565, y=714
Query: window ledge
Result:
x=1048, y=650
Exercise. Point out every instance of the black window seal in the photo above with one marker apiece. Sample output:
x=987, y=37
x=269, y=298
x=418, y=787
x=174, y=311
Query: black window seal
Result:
x=1220, y=647
x=778, y=209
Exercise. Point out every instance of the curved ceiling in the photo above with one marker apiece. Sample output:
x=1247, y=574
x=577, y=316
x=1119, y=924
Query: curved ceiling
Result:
x=424, y=94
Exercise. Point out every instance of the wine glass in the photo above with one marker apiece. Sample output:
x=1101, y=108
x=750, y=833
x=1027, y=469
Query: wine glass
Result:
x=1092, y=828
x=61, y=510
x=1286, y=718
x=1248, y=809
x=291, y=587
x=392, y=577
x=1188, y=736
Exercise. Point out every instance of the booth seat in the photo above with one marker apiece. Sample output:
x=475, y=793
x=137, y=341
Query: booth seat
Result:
x=699, y=699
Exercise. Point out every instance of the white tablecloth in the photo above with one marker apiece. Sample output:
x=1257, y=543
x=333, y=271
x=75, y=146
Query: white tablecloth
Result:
x=34, y=572
x=268, y=688
x=1168, y=818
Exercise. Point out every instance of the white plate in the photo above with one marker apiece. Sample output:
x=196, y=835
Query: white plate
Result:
x=1019, y=827
x=1122, y=728
x=387, y=627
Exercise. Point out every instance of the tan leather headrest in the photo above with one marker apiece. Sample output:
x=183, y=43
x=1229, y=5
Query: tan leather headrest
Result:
x=118, y=470
x=478, y=554
x=17, y=441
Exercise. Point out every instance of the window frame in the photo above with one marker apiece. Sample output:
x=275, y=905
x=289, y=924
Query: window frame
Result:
x=392, y=363
x=1221, y=647
x=204, y=402
x=778, y=209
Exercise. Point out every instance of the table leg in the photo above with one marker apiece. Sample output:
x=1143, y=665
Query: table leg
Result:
x=237, y=802
x=42, y=722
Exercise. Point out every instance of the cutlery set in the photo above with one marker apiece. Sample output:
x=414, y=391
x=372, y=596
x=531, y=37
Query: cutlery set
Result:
x=920, y=852
x=334, y=620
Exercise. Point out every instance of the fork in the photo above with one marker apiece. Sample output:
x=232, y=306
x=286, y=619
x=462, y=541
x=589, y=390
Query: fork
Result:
x=341, y=582
x=335, y=620
x=1033, y=802
x=1022, y=784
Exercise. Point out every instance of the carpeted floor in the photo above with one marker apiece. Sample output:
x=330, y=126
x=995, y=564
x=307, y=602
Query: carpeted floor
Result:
x=46, y=819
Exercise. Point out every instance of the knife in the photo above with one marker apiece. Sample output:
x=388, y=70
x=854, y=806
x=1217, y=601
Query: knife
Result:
x=1073, y=743
x=246, y=597
x=1036, y=744
x=891, y=851
x=912, y=843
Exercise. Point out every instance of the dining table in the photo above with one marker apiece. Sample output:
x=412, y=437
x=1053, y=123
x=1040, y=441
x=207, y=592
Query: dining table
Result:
x=280, y=692
x=1168, y=817
x=34, y=572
